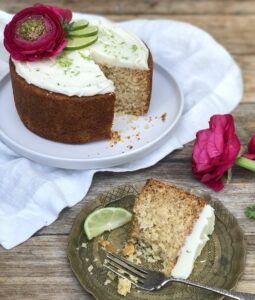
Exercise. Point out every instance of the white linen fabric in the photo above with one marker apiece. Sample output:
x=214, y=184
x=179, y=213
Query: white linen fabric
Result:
x=33, y=195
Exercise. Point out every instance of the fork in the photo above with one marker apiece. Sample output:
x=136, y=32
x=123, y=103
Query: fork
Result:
x=152, y=280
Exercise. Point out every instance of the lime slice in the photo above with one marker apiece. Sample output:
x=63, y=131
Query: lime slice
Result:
x=105, y=219
x=79, y=25
x=79, y=43
x=88, y=31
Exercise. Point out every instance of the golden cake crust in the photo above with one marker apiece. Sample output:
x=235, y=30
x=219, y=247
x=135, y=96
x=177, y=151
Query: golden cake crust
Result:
x=62, y=118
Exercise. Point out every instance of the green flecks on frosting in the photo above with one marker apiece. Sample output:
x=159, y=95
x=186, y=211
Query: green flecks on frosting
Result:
x=86, y=57
x=76, y=73
x=134, y=48
x=64, y=62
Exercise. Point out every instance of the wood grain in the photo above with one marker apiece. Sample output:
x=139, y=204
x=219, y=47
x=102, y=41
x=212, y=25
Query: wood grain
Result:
x=198, y=7
x=38, y=269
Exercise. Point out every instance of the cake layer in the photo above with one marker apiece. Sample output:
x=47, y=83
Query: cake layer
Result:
x=164, y=216
x=62, y=118
x=132, y=88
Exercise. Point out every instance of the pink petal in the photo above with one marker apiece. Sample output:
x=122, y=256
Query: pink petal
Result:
x=249, y=156
x=251, y=145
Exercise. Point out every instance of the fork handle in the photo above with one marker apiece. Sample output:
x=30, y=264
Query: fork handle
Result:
x=226, y=293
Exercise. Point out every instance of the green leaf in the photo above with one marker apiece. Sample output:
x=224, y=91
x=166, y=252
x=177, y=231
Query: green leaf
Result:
x=250, y=212
x=67, y=26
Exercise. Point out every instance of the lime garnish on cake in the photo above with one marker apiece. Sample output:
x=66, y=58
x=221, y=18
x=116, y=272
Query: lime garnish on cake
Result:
x=81, y=35
x=88, y=31
x=81, y=42
x=105, y=219
x=79, y=25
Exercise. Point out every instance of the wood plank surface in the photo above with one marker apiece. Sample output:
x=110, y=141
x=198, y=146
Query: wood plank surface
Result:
x=38, y=269
x=197, y=7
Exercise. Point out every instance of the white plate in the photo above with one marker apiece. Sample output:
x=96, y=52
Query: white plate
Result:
x=139, y=136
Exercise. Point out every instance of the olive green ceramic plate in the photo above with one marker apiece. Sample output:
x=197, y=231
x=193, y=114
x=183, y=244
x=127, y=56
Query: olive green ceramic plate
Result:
x=220, y=264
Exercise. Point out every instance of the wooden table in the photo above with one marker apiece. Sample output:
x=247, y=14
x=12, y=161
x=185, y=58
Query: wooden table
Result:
x=38, y=269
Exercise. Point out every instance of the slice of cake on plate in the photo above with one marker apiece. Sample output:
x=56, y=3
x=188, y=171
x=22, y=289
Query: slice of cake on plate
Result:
x=174, y=224
x=71, y=95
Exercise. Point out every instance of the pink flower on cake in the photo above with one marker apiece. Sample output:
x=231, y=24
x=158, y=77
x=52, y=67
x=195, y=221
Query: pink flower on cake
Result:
x=37, y=32
x=215, y=151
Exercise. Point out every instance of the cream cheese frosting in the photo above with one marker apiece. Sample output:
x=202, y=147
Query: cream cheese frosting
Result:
x=194, y=243
x=77, y=73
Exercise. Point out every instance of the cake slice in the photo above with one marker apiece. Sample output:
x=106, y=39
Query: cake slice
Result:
x=175, y=224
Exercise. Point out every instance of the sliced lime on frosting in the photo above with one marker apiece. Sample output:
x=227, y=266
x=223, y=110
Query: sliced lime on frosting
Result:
x=105, y=219
x=81, y=24
x=81, y=35
x=88, y=31
x=79, y=43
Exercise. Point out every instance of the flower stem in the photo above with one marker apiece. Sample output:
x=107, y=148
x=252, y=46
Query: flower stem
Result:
x=245, y=163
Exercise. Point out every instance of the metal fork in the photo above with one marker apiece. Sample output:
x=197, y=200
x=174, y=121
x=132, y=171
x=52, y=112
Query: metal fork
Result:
x=153, y=281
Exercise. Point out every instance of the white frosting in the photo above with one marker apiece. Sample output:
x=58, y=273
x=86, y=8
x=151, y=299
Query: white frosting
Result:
x=194, y=243
x=117, y=47
x=77, y=72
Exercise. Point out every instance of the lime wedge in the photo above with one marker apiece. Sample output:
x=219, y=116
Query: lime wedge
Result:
x=79, y=25
x=79, y=43
x=105, y=219
x=88, y=31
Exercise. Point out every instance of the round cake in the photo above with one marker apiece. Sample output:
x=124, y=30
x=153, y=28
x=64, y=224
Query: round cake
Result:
x=71, y=97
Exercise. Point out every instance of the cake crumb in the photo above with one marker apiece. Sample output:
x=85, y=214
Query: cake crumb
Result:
x=163, y=117
x=130, y=147
x=128, y=250
x=84, y=245
x=115, y=137
x=106, y=245
x=111, y=275
x=90, y=268
x=124, y=286
x=107, y=281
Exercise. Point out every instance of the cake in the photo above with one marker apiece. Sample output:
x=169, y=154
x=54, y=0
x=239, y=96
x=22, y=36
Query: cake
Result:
x=173, y=224
x=72, y=97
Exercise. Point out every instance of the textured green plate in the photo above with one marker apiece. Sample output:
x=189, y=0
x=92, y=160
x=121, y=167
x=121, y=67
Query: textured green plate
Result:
x=220, y=264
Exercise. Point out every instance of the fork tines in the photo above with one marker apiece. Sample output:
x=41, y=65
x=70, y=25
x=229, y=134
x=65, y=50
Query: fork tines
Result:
x=125, y=269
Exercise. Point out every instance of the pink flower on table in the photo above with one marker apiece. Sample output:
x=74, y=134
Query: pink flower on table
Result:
x=37, y=32
x=215, y=151
x=251, y=149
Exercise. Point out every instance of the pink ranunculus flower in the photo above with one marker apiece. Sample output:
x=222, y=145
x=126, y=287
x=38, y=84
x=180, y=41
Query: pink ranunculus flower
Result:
x=215, y=151
x=36, y=32
x=251, y=149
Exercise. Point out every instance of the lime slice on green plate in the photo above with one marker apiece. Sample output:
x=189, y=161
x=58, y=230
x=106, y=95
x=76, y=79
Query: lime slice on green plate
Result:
x=79, y=43
x=79, y=25
x=105, y=219
x=88, y=31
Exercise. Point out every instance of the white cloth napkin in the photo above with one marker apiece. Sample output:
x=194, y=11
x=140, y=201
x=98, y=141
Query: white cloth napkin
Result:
x=33, y=195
